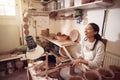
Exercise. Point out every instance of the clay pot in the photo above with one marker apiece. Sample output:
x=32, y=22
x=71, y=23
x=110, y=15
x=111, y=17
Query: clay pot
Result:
x=92, y=75
x=62, y=38
x=116, y=70
x=76, y=78
x=106, y=74
x=54, y=74
x=53, y=15
x=45, y=32
x=88, y=1
x=74, y=35
x=26, y=26
x=10, y=67
x=26, y=31
x=25, y=19
x=19, y=65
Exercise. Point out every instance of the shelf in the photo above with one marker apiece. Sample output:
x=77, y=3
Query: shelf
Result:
x=60, y=44
x=7, y=57
x=35, y=12
x=96, y=4
x=91, y=5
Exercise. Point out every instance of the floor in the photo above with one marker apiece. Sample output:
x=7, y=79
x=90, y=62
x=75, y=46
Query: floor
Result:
x=21, y=74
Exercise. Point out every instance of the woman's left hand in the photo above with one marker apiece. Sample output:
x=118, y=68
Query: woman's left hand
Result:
x=76, y=61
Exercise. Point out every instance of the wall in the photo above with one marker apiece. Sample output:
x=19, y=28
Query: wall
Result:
x=10, y=34
x=111, y=32
x=9, y=31
x=112, y=28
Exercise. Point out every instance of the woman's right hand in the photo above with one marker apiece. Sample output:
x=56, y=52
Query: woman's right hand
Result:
x=76, y=61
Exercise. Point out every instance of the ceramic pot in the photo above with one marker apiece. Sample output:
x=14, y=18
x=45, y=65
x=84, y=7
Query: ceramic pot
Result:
x=25, y=19
x=10, y=68
x=106, y=74
x=74, y=35
x=26, y=26
x=62, y=38
x=116, y=70
x=92, y=75
x=76, y=78
x=19, y=65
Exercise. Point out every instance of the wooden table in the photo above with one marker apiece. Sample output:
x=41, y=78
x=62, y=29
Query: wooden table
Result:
x=7, y=57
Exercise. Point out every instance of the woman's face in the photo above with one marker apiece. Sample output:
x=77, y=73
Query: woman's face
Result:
x=89, y=31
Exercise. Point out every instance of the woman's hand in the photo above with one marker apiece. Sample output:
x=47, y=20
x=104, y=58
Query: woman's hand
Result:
x=76, y=61
x=79, y=60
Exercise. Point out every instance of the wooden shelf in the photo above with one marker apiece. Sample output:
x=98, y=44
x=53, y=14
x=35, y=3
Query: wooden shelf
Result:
x=35, y=12
x=59, y=43
x=7, y=57
x=96, y=4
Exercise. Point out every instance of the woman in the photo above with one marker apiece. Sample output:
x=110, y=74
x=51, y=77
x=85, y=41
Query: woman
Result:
x=92, y=48
x=92, y=52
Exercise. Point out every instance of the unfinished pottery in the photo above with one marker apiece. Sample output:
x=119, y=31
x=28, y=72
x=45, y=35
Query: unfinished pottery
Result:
x=92, y=75
x=74, y=35
x=106, y=74
x=116, y=70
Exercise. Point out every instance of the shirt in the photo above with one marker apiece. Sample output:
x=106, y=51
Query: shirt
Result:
x=94, y=57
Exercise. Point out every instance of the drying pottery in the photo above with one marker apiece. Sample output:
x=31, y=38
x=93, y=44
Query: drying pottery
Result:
x=25, y=19
x=92, y=75
x=26, y=31
x=74, y=35
x=116, y=70
x=106, y=74
x=62, y=38
x=45, y=32
x=19, y=65
x=26, y=26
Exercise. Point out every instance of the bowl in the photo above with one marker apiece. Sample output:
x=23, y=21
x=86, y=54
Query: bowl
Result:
x=62, y=37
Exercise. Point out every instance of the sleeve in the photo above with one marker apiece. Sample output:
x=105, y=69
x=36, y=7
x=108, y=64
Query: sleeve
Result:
x=98, y=59
x=82, y=48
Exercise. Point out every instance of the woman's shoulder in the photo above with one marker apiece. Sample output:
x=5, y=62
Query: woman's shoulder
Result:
x=100, y=43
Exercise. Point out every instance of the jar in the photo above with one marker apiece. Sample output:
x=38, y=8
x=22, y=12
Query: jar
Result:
x=19, y=65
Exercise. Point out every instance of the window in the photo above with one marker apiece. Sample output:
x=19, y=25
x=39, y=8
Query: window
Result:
x=7, y=8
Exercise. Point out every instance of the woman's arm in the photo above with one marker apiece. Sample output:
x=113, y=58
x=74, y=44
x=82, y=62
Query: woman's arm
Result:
x=97, y=61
